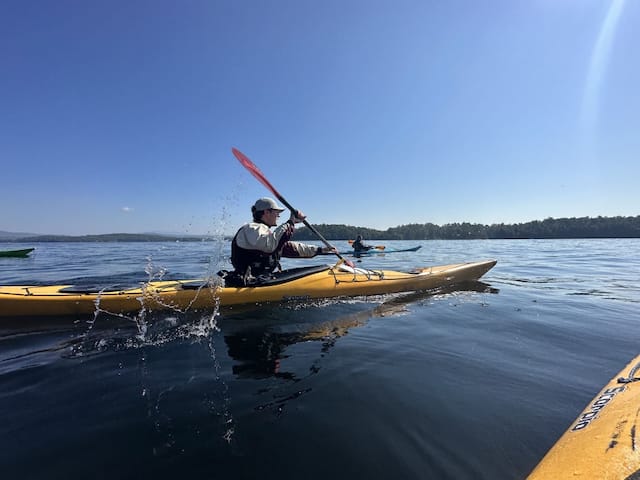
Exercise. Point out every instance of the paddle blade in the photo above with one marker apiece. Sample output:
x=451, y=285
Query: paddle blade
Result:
x=255, y=171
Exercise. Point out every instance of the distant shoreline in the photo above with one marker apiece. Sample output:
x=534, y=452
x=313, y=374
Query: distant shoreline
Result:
x=550, y=228
x=107, y=237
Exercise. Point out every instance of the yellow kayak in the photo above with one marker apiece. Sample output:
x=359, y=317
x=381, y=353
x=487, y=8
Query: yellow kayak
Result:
x=296, y=284
x=602, y=443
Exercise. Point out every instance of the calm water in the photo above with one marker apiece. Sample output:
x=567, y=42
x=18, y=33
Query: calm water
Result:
x=475, y=384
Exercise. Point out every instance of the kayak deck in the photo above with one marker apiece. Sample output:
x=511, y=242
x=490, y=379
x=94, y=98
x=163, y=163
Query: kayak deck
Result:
x=180, y=295
x=602, y=442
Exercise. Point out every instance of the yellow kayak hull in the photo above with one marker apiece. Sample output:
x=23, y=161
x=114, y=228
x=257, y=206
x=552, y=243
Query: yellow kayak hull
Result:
x=24, y=300
x=602, y=443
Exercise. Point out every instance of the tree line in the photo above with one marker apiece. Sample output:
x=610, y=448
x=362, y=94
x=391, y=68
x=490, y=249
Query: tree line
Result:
x=583, y=227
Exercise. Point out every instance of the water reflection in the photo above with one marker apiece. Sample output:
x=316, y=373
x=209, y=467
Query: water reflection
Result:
x=258, y=346
x=256, y=337
x=202, y=362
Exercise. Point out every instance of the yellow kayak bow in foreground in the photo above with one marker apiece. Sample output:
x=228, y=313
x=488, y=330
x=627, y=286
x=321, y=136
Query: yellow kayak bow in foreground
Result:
x=602, y=443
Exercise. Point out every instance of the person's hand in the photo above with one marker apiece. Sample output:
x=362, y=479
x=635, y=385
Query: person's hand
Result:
x=297, y=217
x=328, y=250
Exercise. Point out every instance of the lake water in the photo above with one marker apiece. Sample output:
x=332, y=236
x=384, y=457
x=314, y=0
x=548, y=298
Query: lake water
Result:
x=474, y=384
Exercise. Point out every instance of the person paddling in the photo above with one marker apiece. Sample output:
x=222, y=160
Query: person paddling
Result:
x=359, y=246
x=256, y=249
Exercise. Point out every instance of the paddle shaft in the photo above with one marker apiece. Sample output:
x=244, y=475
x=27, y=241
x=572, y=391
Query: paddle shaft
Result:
x=255, y=171
x=304, y=221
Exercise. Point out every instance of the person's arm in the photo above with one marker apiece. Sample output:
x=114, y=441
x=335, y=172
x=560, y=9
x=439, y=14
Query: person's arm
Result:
x=297, y=249
x=302, y=250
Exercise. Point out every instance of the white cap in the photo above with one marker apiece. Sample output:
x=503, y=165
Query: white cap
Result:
x=266, y=203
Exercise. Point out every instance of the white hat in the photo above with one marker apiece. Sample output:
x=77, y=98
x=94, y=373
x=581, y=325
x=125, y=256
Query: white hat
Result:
x=266, y=203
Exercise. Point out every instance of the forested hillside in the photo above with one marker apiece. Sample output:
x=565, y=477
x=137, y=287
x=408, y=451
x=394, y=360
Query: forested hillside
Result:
x=584, y=227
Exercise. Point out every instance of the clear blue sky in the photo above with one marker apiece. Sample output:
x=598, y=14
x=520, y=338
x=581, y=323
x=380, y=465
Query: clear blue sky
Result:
x=119, y=116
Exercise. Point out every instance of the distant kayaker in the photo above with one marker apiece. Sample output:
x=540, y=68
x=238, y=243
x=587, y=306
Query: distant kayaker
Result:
x=359, y=245
x=256, y=250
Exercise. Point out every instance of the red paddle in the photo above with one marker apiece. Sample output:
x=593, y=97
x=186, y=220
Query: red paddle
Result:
x=255, y=171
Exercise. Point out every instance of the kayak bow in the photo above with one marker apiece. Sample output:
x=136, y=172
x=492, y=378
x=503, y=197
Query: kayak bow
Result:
x=601, y=442
x=16, y=253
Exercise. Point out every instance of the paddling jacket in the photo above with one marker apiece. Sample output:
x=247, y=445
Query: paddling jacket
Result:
x=256, y=250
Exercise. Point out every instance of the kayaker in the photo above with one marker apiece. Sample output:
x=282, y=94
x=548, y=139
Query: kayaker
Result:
x=256, y=249
x=359, y=246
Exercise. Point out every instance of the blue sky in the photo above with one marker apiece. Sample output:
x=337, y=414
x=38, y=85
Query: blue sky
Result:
x=120, y=116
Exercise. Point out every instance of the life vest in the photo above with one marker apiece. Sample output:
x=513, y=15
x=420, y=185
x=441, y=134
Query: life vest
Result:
x=259, y=262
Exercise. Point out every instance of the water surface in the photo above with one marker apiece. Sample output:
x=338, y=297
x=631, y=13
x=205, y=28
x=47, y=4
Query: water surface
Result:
x=472, y=384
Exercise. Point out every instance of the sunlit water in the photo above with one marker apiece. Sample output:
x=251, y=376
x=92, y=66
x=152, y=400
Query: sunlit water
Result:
x=473, y=384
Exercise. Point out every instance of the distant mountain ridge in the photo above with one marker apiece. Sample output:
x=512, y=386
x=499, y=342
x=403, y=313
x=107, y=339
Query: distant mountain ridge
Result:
x=4, y=236
x=107, y=237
